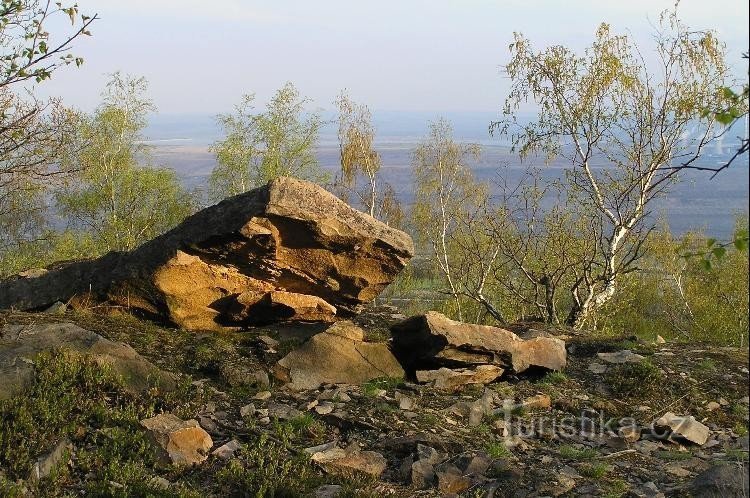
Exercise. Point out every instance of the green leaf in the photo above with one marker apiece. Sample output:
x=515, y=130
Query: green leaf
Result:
x=724, y=118
x=710, y=242
x=741, y=244
x=706, y=263
x=719, y=252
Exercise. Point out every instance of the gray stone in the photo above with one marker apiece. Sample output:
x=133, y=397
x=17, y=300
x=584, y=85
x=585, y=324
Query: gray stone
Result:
x=339, y=355
x=45, y=465
x=620, y=357
x=20, y=344
x=686, y=427
x=722, y=481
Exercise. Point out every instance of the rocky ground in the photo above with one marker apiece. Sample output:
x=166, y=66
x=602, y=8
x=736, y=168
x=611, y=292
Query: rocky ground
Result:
x=227, y=424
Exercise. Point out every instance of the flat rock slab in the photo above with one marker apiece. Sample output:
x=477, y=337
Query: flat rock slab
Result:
x=20, y=344
x=620, y=357
x=341, y=460
x=338, y=355
x=451, y=379
x=285, y=251
x=433, y=340
x=686, y=427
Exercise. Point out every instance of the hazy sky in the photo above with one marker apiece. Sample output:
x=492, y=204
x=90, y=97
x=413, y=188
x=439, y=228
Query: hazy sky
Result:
x=201, y=56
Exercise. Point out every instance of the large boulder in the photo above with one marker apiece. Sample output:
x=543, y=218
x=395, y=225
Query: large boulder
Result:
x=285, y=251
x=338, y=355
x=432, y=341
x=21, y=343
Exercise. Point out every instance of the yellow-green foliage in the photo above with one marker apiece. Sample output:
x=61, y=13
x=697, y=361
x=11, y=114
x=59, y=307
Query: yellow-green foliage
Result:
x=680, y=298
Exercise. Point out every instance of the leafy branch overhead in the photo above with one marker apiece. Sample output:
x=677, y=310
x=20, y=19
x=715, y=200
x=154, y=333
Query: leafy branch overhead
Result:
x=27, y=50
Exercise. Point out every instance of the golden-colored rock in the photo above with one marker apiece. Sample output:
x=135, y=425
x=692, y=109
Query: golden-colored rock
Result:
x=433, y=338
x=285, y=251
x=183, y=442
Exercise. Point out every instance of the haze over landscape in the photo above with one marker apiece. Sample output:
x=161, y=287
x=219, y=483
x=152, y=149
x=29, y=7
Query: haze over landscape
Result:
x=411, y=62
x=356, y=249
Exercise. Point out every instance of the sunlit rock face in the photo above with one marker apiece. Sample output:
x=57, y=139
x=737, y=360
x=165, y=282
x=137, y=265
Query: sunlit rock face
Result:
x=286, y=251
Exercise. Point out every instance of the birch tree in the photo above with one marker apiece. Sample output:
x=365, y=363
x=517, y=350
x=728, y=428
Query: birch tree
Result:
x=625, y=128
x=361, y=162
x=112, y=198
x=261, y=146
x=444, y=188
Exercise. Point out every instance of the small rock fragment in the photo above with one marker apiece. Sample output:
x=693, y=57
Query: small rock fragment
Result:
x=539, y=401
x=619, y=357
x=247, y=410
x=44, y=466
x=324, y=408
x=725, y=481
x=422, y=474
x=451, y=481
x=686, y=427
x=184, y=441
x=328, y=491
x=597, y=368
x=712, y=405
x=226, y=451
x=368, y=462
x=451, y=379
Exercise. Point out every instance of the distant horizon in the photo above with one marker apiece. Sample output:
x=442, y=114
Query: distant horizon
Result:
x=392, y=56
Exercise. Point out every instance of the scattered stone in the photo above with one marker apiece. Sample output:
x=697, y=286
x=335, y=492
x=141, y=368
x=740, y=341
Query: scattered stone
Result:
x=620, y=357
x=712, y=405
x=422, y=474
x=262, y=395
x=201, y=275
x=630, y=433
x=184, y=441
x=57, y=308
x=685, y=427
x=405, y=402
x=540, y=401
x=722, y=481
x=451, y=379
x=338, y=355
x=227, y=451
x=478, y=465
x=282, y=412
x=269, y=341
x=20, y=344
x=660, y=339
x=247, y=410
x=560, y=485
x=324, y=408
x=433, y=338
x=44, y=465
x=328, y=491
x=337, y=459
x=429, y=454
x=451, y=481
x=597, y=368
